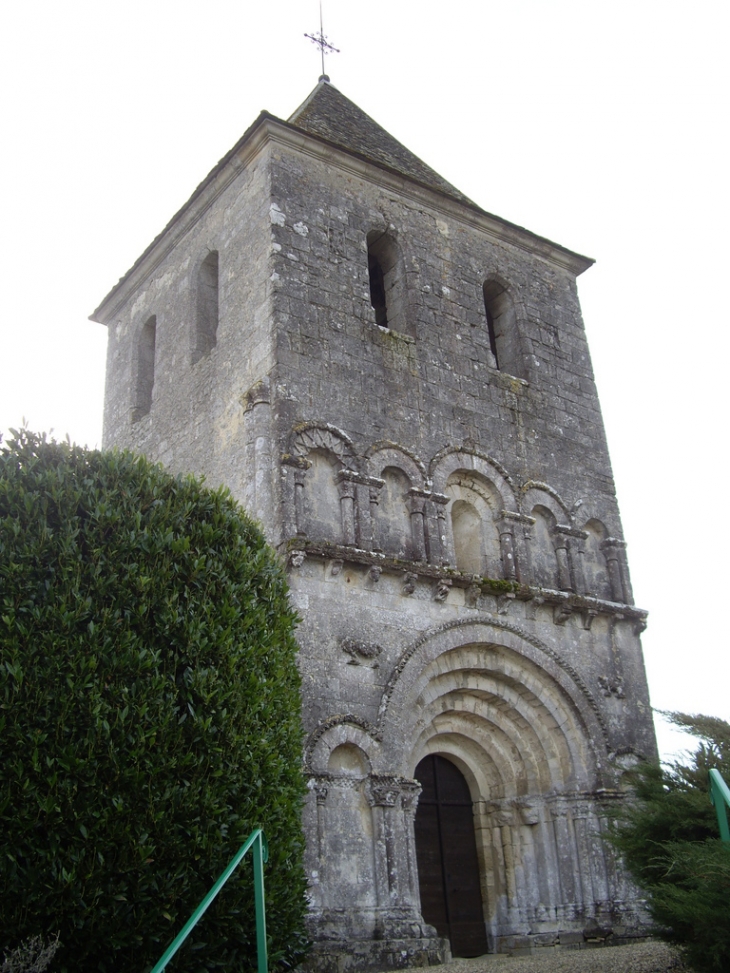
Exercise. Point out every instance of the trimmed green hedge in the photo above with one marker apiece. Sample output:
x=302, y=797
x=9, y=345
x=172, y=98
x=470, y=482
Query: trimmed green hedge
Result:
x=149, y=714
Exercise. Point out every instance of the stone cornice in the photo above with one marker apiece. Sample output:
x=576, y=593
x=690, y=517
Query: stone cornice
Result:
x=564, y=603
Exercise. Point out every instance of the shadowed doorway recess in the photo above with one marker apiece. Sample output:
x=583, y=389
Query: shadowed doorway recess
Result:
x=448, y=870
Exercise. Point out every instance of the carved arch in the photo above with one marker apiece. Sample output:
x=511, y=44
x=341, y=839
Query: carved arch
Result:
x=455, y=458
x=385, y=453
x=534, y=493
x=335, y=732
x=308, y=436
x=529, y=661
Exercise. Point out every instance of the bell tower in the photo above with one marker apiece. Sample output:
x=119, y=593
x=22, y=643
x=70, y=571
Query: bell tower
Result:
x=397, y=385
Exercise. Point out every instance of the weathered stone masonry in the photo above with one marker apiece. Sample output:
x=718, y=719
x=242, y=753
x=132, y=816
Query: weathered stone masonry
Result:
x=439, y=484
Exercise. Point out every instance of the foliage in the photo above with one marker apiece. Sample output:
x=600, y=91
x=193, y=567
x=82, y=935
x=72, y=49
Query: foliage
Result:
x=668, y=837
x=149, y=714
x=32, y=956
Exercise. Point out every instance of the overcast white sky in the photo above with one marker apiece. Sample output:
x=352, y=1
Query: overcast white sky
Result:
x=601, y=125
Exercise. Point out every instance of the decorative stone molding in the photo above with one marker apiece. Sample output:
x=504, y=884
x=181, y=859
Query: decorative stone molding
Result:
x=336, y=567
x=361, y=653
x=258, y=394
x=297, y=558
x=375, y=572
x=534, y=596
x=612, y=687
x=383, y=791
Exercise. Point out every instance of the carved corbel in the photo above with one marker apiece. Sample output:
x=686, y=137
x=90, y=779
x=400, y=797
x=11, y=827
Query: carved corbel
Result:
x=409, y=582
x=375, y=572
x=533, y=606
x=588, y=615
x=442, y=589
x=562, y=612
x=472, y=593
x=297, y=558
x=336, y=567
x=504, y=601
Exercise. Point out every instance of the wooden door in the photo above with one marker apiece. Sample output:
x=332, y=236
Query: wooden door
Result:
x=446, y=852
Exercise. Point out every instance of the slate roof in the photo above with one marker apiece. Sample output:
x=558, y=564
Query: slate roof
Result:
x=330, y=115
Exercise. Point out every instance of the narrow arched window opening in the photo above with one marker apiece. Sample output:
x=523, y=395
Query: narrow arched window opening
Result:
x=492, y=336
x=504, y=342
x=206, y=311
x=145, y=369
x=387, y=282
x=377, y=290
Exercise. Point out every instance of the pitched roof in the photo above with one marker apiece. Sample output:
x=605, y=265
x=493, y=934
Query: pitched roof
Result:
x=330, y=115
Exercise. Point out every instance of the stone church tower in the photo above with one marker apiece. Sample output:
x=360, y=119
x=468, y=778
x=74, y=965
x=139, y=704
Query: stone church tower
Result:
x=397, y=385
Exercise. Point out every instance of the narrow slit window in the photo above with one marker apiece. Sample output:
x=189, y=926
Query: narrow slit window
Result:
x=504, y=340
x=377, y=290
x=145, y=369
x=206, y=311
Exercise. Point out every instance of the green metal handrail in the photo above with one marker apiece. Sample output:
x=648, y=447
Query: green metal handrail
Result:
x=257, y=839
x=720, y=797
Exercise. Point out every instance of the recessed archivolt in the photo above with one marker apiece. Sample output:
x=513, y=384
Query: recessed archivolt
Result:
x=500, y=769
x=456, y=459
x=310, y=436
x=384, y=454
x=484, y=694
x=485, y=770
x=522, y=660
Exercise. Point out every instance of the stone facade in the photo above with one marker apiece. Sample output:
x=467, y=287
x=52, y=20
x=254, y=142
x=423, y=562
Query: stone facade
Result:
x=397, y=385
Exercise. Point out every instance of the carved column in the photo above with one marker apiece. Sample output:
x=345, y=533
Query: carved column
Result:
x=502, y=822
x=566, y=851
x=580, y=812
x=612, y=549
x=564, y=536
x=294, y=469
x=416, y=503
x=346, y=487
x=259, y=488
x=578, y=552
x=506, y=527
x=371, y=538
x=410, y=793
x=382, y=796
x=438, y=553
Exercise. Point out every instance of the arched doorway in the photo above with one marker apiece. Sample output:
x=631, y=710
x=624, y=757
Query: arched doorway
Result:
x=448, y=870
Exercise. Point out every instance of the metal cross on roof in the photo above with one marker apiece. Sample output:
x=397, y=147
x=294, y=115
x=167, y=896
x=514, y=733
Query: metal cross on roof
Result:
x=322, y=43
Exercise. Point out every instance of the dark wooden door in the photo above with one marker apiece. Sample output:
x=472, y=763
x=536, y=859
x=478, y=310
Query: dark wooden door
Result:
x=446, y=851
